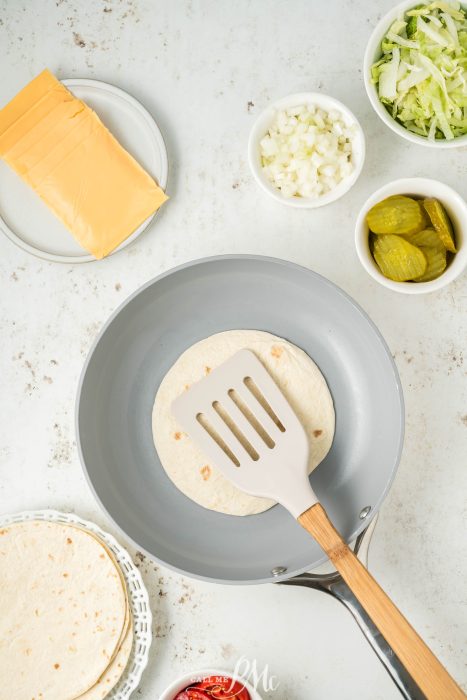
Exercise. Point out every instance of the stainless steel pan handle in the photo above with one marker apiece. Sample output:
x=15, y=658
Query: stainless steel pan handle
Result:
x=334, y=585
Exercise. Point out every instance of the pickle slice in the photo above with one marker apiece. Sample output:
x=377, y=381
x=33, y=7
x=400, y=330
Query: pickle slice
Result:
x=397, y=214
x=398, y=259
x=428, y=238
x=441, y=222
x=436, y=264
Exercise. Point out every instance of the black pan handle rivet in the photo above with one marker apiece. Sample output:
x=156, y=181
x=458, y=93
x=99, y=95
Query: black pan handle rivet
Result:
x=365, y=512
x=278, y=570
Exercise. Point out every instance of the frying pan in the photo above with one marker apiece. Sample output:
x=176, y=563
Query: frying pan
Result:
x=138, y=345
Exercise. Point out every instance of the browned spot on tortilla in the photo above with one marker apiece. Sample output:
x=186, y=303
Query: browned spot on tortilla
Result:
x=187, y=386
x=317, y=433
x=276, y=351
x=69, y=540
x=51, y=557
x=207, y=370
x=3, y=532
x=205, y=472
x=178, y=436
x=56, y=666
x=65, y=575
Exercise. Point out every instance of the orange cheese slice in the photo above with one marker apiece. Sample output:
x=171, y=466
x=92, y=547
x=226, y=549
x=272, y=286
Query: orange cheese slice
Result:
x=60, y=147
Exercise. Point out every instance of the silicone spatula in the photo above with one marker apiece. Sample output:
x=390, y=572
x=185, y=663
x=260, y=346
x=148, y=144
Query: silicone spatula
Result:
x=244, y=424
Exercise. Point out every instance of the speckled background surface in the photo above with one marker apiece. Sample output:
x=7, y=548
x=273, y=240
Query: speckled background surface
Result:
x=205, y=70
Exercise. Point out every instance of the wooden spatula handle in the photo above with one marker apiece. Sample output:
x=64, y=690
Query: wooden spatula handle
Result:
x=429, y=674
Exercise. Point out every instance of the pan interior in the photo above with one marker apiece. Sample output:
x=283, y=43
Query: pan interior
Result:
x=143, y=340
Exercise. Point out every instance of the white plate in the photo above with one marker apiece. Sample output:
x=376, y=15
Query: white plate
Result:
x=137, y=595
x=28, y=222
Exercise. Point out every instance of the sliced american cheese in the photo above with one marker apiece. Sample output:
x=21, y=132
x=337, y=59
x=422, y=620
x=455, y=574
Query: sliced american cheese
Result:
x=60, y=147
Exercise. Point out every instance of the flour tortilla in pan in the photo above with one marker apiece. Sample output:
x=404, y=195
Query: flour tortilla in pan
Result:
x=63, y=611
x=297, y=376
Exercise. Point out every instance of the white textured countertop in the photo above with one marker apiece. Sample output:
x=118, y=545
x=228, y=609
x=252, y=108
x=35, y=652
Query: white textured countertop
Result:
x=205, y=70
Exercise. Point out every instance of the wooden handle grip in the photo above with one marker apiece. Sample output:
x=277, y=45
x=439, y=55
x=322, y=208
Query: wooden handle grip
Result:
x=429, y=674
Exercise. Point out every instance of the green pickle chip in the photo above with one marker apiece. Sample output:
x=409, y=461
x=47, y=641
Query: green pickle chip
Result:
x=441, y=222
x=428, y=238
x=436, y=259
x=398, y=259
x=399, y=215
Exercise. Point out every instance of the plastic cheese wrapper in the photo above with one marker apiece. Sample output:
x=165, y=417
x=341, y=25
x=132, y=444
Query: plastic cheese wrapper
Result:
x=60, y=147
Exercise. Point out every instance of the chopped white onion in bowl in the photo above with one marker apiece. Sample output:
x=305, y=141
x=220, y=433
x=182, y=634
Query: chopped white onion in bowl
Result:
x=306, y=150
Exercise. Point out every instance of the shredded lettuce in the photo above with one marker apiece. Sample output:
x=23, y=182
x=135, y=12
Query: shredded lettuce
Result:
x=421, y=76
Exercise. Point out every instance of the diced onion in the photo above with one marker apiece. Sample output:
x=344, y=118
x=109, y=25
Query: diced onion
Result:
x=307, y=151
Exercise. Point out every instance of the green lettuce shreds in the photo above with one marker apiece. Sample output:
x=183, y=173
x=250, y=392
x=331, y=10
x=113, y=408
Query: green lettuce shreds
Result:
x=421, y=77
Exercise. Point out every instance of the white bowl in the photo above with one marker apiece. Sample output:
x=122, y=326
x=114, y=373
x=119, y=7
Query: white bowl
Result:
x=373, y=53
x=182, y=682
x=264, y=121
x=456, y=208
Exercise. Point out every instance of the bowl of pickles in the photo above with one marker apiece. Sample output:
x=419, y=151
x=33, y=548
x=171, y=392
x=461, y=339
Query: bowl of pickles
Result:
x=411, y=235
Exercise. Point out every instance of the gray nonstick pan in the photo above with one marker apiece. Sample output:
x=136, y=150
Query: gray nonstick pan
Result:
x=141, y=341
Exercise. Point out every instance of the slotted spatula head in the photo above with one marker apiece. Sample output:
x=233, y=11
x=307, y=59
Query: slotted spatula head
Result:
x=244, y=424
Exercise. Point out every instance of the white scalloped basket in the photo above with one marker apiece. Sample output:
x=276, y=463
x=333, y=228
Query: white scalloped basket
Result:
x=137, y=595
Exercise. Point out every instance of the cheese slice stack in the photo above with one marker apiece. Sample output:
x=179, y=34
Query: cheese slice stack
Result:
x=60, y=147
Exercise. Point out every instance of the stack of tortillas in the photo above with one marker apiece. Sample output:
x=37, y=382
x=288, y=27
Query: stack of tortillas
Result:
x=66, y=629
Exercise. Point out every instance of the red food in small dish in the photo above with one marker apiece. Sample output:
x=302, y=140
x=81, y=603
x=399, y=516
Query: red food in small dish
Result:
x=215, y=688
